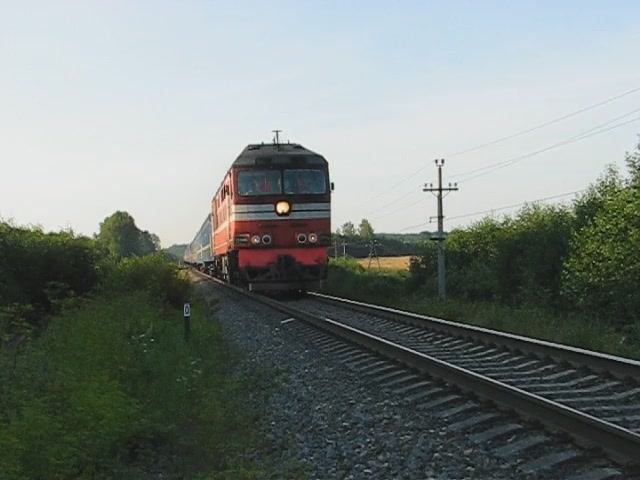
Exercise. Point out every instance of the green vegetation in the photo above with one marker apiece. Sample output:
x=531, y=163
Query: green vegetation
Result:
x=569, y=274
x=176, y=251
x=37, y=272
x=403, y=290
x=356, y=242
x=96, y=380
x=122, y=238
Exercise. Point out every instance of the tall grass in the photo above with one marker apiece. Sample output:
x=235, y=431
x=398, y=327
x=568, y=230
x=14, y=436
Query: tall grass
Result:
x=111, y=389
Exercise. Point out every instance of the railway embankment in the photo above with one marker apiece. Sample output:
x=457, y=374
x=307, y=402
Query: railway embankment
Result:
x=96, y=380
x=346, y=404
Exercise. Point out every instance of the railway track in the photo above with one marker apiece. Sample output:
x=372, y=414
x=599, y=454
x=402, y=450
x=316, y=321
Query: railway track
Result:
x=594, y=398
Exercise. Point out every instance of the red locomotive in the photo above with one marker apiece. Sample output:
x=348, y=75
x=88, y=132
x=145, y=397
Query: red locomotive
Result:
x=270, y=221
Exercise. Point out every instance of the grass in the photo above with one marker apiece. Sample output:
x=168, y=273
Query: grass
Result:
x=112, y=390
x=395, y=289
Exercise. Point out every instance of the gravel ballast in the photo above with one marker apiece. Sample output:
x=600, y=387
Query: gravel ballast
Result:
x=336, y=425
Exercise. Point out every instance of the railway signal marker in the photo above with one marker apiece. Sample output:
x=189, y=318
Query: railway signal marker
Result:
x=187, y=321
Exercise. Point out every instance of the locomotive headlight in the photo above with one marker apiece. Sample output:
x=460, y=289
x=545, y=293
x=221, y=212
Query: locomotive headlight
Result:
x=283, y=208
x=255, y=240
x=313, y=238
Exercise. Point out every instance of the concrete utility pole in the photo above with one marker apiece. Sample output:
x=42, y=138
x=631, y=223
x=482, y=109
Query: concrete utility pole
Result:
x=442, y=289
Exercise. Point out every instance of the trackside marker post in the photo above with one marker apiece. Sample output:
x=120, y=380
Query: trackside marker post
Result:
x=187, y=321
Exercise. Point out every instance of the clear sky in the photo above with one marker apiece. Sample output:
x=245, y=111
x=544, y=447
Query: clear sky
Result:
x=142, y=106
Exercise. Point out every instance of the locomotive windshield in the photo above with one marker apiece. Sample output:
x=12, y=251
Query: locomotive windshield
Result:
x=259, y=182
x=270, y=182
x=304, y=181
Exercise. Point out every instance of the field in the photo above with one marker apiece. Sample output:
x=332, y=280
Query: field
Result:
x=387, y=263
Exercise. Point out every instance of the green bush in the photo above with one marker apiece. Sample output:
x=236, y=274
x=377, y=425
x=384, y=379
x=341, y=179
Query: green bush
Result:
x=113, y=391
x=517, y=260
x=39, y=270
x=153, y=274
x=602, y=274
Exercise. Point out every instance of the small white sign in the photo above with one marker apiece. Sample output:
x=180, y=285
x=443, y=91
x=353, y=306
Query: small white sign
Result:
x=187, y=310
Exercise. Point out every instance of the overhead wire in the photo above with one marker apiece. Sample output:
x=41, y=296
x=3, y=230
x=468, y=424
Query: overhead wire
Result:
x=585, y=134
x=509, y=137
x=506, y=207
x=485, y=170
x=384, y=207
x=547, y=123
x=506, y=163
x=397, y=210
x=498, y=209
x=479, y=172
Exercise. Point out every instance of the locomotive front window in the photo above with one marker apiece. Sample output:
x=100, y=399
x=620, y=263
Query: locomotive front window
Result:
x=259, y=182
x=311, y=182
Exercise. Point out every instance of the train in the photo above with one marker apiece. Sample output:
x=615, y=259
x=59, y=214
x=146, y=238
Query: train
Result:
x=269, y=225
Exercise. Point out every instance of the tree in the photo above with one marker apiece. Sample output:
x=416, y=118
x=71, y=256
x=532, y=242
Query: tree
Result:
x=591, y=202
x=122, y=238
x=602, y=273
x=348, y=229
x=365, y=230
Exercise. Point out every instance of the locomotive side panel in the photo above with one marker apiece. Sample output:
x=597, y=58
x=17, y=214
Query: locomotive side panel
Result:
x=221, y=209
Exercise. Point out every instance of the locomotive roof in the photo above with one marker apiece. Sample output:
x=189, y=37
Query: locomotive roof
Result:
x=280, y=154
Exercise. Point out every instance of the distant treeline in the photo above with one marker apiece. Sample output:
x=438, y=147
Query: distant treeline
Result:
x=357, y=242
x=176, y=251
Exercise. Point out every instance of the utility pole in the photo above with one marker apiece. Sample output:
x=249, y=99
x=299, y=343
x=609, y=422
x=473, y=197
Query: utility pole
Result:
x=442, y=290
x=373, y=252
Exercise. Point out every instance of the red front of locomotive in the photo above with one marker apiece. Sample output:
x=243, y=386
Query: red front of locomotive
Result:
x=277, y=202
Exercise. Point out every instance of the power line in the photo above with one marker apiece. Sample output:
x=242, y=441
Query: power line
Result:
x=585, y=134
x=506, y=207
x=384, y=207
x=397, y=210
x=497, y=166
x=547, y=123
x=423, y=224
x=482, y=171
x=497, y=209
x=509, y=137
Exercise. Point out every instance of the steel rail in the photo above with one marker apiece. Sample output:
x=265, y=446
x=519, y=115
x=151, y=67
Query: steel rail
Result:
x=621, y=444
x=616, y=366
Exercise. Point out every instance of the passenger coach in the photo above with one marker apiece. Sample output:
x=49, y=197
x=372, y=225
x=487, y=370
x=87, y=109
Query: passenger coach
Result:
x=270, y=222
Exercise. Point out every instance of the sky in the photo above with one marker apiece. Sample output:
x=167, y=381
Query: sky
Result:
x=142, y=106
